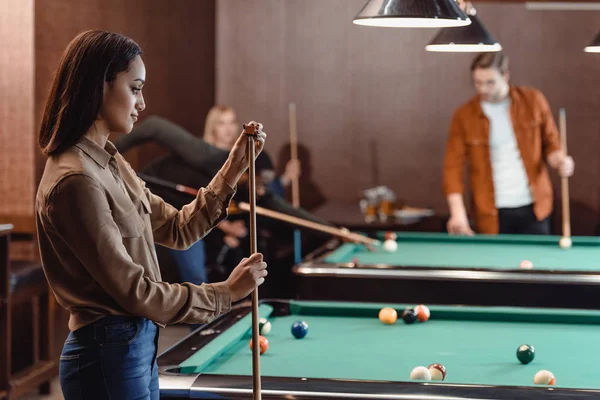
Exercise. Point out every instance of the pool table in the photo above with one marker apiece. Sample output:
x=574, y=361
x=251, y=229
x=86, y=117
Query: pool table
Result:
x=349, y=353
x=445, y=269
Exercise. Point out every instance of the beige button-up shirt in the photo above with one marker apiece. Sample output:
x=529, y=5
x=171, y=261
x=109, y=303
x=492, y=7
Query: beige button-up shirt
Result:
x=97, y=226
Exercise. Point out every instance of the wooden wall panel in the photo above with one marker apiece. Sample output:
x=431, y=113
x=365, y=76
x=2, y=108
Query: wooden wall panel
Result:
x=16, y=113
x=178, y=38
x=357, y=87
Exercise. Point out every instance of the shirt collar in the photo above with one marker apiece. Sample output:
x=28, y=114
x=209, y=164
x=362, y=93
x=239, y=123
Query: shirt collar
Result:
x=476, y=101
x=100, y=155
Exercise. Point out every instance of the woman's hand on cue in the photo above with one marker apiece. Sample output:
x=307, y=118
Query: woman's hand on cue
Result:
x=237, y=163
x=239, y=152
x=247, y=276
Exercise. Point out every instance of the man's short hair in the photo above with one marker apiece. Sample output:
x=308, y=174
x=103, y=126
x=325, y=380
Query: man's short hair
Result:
x=496, y=60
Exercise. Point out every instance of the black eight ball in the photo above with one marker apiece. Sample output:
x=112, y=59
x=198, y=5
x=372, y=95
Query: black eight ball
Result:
x=409, y=315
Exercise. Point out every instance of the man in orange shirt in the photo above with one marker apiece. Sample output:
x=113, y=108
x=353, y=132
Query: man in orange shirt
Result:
x=506, y=136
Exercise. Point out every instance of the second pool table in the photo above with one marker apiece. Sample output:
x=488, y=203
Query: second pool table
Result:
x=446, y=269
x=349, y=353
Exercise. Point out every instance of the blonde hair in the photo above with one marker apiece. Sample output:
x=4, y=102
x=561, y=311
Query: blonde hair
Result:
x=211, y=119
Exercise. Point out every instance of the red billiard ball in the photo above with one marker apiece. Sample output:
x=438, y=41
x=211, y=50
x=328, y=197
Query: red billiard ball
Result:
x=390, y=236
x=263, y=344
x=438, y=372
x=423, y=312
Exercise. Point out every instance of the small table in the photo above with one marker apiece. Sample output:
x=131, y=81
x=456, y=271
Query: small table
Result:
x=350, y=216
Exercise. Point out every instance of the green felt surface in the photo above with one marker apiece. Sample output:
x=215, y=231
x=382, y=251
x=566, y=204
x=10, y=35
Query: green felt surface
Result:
x=481, y=251
x=477, y=345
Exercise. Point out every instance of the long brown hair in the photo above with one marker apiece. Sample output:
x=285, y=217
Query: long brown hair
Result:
x=92, y=58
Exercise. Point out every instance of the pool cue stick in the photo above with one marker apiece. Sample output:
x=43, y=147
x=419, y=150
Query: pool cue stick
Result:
x=295, y=182
x=265, y=212
x=566, y=217
x=168, y=184
x=175, y=186
x=250, y=133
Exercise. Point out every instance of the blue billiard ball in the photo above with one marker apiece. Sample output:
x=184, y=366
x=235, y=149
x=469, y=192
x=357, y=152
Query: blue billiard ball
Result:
x=299, y=329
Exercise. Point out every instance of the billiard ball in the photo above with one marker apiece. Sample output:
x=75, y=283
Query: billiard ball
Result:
x=526, y=264
x=420, y=373
x=525, y=353
x=437, y=371
x=355, y=262
x=263, y=343
x=409, y=316
x=544, y=377
x=299, y=329
x=565, y=242
x=264, y=326
x=388, y=315
x=390, y=236
x=422, y=312
x=390, y=245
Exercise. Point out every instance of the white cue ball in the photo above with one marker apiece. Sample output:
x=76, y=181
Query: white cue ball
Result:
x=420, y=374
x=390, y=245
x=565, y=243
x=544, y=377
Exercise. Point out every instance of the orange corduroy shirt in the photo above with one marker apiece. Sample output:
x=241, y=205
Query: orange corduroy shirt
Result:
x=468, y=146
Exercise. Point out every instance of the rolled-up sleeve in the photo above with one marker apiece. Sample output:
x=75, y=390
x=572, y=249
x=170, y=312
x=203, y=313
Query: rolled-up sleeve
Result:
x=549, y=130
x=96, y=242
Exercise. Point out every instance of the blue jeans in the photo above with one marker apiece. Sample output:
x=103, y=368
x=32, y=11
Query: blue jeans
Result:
x=113, y=358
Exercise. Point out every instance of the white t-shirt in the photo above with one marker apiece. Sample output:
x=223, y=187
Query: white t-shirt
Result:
x=511, y=185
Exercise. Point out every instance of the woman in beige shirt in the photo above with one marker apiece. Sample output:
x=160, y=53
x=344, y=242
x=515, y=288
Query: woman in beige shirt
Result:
x=97, y=225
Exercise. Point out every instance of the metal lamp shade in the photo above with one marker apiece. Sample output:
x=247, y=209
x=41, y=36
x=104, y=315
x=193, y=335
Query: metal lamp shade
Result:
x=472, y=38
x=412, y=14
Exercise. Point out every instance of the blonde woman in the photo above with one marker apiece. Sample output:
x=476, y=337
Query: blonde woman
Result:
x=209, y=152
